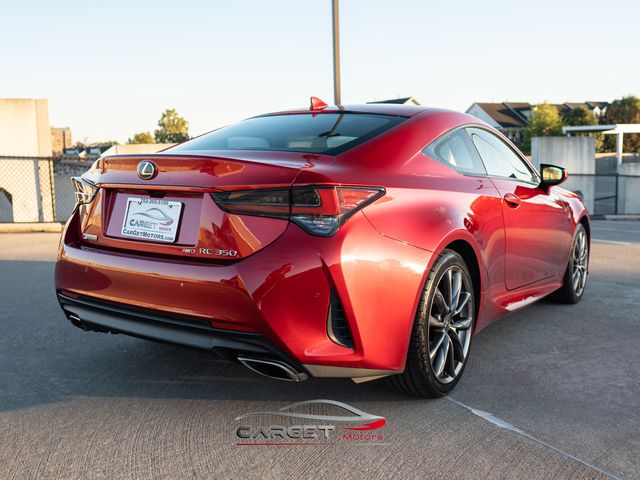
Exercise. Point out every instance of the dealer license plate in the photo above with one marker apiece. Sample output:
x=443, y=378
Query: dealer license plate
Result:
x=151, y=219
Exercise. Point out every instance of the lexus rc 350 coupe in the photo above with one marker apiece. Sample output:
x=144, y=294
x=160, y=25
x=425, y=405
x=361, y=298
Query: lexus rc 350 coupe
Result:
x=359, y=241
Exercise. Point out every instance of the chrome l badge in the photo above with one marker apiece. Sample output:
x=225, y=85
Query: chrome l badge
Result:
x=146, y=170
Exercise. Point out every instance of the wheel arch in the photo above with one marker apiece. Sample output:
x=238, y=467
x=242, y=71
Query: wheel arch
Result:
x=584, y=220
x=463, y=243
x=468, y=254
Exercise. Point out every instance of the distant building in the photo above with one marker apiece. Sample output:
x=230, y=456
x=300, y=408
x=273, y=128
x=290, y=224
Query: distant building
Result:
x=86, y=152
x=24, y=127
x=72, y=152
x=400, y=101
x=60, y=139
x=511, y=118
x=599, y=109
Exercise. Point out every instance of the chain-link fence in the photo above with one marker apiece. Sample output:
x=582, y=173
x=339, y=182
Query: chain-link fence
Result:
x=63, y=170
x=38, y=189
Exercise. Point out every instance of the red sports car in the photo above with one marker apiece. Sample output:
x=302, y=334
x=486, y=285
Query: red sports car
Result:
x=360, y=241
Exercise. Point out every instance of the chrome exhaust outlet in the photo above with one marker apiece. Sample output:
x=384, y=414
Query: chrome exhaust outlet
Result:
x=272, y=368
x=76, y=321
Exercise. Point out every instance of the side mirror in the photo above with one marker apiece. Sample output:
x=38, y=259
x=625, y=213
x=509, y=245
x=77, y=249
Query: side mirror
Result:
x=552, y=175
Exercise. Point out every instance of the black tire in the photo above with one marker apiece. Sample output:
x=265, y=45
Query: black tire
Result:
x=569, y=293
x=419, y=377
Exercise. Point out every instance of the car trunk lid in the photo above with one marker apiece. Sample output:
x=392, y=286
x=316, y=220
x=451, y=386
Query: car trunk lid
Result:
x=173, y=213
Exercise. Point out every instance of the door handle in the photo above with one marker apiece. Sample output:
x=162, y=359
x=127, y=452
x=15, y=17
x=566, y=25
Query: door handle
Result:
x=512, y=200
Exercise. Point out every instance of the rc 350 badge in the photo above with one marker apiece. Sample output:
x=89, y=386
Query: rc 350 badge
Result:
x=211, y=251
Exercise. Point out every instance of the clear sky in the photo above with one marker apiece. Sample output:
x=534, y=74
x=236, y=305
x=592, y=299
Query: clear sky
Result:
x=109, y=68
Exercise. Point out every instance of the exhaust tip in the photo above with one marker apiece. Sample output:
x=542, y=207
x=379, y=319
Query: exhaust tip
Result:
x=276, y=369
x=76, y=320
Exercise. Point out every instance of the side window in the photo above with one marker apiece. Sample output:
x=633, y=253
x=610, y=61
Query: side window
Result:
x=499, y=159
x=456, y=151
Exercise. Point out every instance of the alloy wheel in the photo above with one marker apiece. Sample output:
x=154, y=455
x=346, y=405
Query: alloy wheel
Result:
x=450, y=322
x=580, y=256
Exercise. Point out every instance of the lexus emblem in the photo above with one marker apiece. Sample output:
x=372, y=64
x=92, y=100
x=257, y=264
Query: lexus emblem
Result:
x=146, y=170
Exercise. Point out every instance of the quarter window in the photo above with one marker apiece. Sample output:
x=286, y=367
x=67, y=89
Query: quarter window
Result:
x=456, y=151
x=499, y=159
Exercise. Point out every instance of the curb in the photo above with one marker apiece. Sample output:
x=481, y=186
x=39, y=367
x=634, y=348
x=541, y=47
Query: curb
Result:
x=30, y=227
x=621, y=217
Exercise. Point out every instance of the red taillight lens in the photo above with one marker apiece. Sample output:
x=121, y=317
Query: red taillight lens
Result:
x=335, y=206
x=319, y=210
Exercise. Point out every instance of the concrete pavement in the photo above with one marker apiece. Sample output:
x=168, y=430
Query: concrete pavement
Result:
x=552, y=391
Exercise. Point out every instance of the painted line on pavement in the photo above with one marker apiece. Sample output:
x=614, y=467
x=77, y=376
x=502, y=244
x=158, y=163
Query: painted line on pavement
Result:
x=621, y=230
x=512, y=428
x=613, y=242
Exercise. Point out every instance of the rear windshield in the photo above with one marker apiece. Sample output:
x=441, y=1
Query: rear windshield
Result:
x=328, y=133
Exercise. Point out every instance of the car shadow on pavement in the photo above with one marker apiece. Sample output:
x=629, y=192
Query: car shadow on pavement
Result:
x=45, y=359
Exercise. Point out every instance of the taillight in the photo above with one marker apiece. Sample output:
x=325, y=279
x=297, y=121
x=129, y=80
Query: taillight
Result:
x=320, y=210
x=332, y=208
x=84, y=190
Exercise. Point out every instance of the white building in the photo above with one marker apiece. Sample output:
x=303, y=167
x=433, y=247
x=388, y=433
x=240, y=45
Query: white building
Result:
x=25, y=183
x=24, y=127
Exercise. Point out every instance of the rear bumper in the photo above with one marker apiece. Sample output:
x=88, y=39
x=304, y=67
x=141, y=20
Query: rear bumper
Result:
x=280, y=294
x=94, y=315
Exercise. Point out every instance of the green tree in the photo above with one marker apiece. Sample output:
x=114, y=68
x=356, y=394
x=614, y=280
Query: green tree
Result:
x=579, y=116
x=544, y=122
x=624, y=110
x=141, y=137
x=172, y=128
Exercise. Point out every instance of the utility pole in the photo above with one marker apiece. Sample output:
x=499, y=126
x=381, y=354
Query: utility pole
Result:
x=336, y=53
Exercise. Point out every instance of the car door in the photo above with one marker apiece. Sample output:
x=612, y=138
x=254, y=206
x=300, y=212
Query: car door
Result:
x=537, y=224
x=477, y=200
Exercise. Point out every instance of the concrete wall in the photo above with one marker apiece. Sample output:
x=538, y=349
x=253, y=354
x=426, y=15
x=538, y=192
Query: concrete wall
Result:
x=24, y=127
x=25, y=132
x=607, y=163
x=629, y=189
x=576, y=155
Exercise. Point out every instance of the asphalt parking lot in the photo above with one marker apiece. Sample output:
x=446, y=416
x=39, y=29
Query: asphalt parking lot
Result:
x=551, y=392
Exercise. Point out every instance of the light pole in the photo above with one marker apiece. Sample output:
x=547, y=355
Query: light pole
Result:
x=336, y=53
